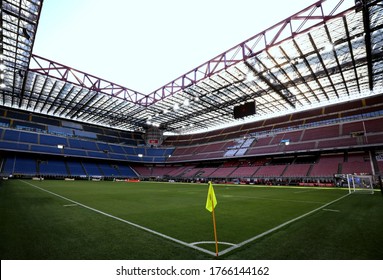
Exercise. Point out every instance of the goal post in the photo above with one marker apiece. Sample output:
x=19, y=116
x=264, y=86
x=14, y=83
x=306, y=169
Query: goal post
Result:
x=360, y=184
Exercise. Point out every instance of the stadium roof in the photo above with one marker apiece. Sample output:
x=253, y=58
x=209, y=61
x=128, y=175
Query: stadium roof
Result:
x=328, y=52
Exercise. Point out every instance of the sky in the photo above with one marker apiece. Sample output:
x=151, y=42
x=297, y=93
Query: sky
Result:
x=145, y=44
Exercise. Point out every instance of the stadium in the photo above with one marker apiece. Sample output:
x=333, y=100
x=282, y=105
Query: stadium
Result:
x=287, y=125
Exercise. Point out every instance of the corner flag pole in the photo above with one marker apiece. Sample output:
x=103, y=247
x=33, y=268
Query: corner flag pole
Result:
x=211, y=202
x=214, y=225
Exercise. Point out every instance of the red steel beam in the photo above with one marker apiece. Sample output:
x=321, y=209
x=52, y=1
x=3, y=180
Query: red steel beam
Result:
x=64, y=73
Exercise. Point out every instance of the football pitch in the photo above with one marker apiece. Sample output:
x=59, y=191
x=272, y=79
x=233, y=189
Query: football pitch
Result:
x=151, y=220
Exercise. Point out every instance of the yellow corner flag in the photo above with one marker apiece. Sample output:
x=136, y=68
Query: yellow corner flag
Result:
x=211, y=200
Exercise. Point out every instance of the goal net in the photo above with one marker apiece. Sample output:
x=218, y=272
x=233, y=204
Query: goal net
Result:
x=360, y=184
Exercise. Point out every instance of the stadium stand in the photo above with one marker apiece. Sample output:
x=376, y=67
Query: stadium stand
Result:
x=76, y=169
x=244, y=172
x=52, y=167
x=297, y=170
x=328, y=165
x=326, y=138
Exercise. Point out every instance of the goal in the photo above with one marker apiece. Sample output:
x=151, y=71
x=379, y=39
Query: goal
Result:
x=360, y=184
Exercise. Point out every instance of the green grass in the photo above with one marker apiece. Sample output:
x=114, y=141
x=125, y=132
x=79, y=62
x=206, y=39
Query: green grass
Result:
x=36, y=224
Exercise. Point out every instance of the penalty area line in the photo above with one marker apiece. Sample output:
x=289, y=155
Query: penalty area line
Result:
x=124, y=221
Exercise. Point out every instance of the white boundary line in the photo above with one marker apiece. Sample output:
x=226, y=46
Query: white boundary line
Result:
x=331, y=210
x=278, y=227
x=124, y=221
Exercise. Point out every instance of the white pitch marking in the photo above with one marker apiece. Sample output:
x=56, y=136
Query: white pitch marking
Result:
x=331, y=210
x=70, y=205
x=304, y=191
